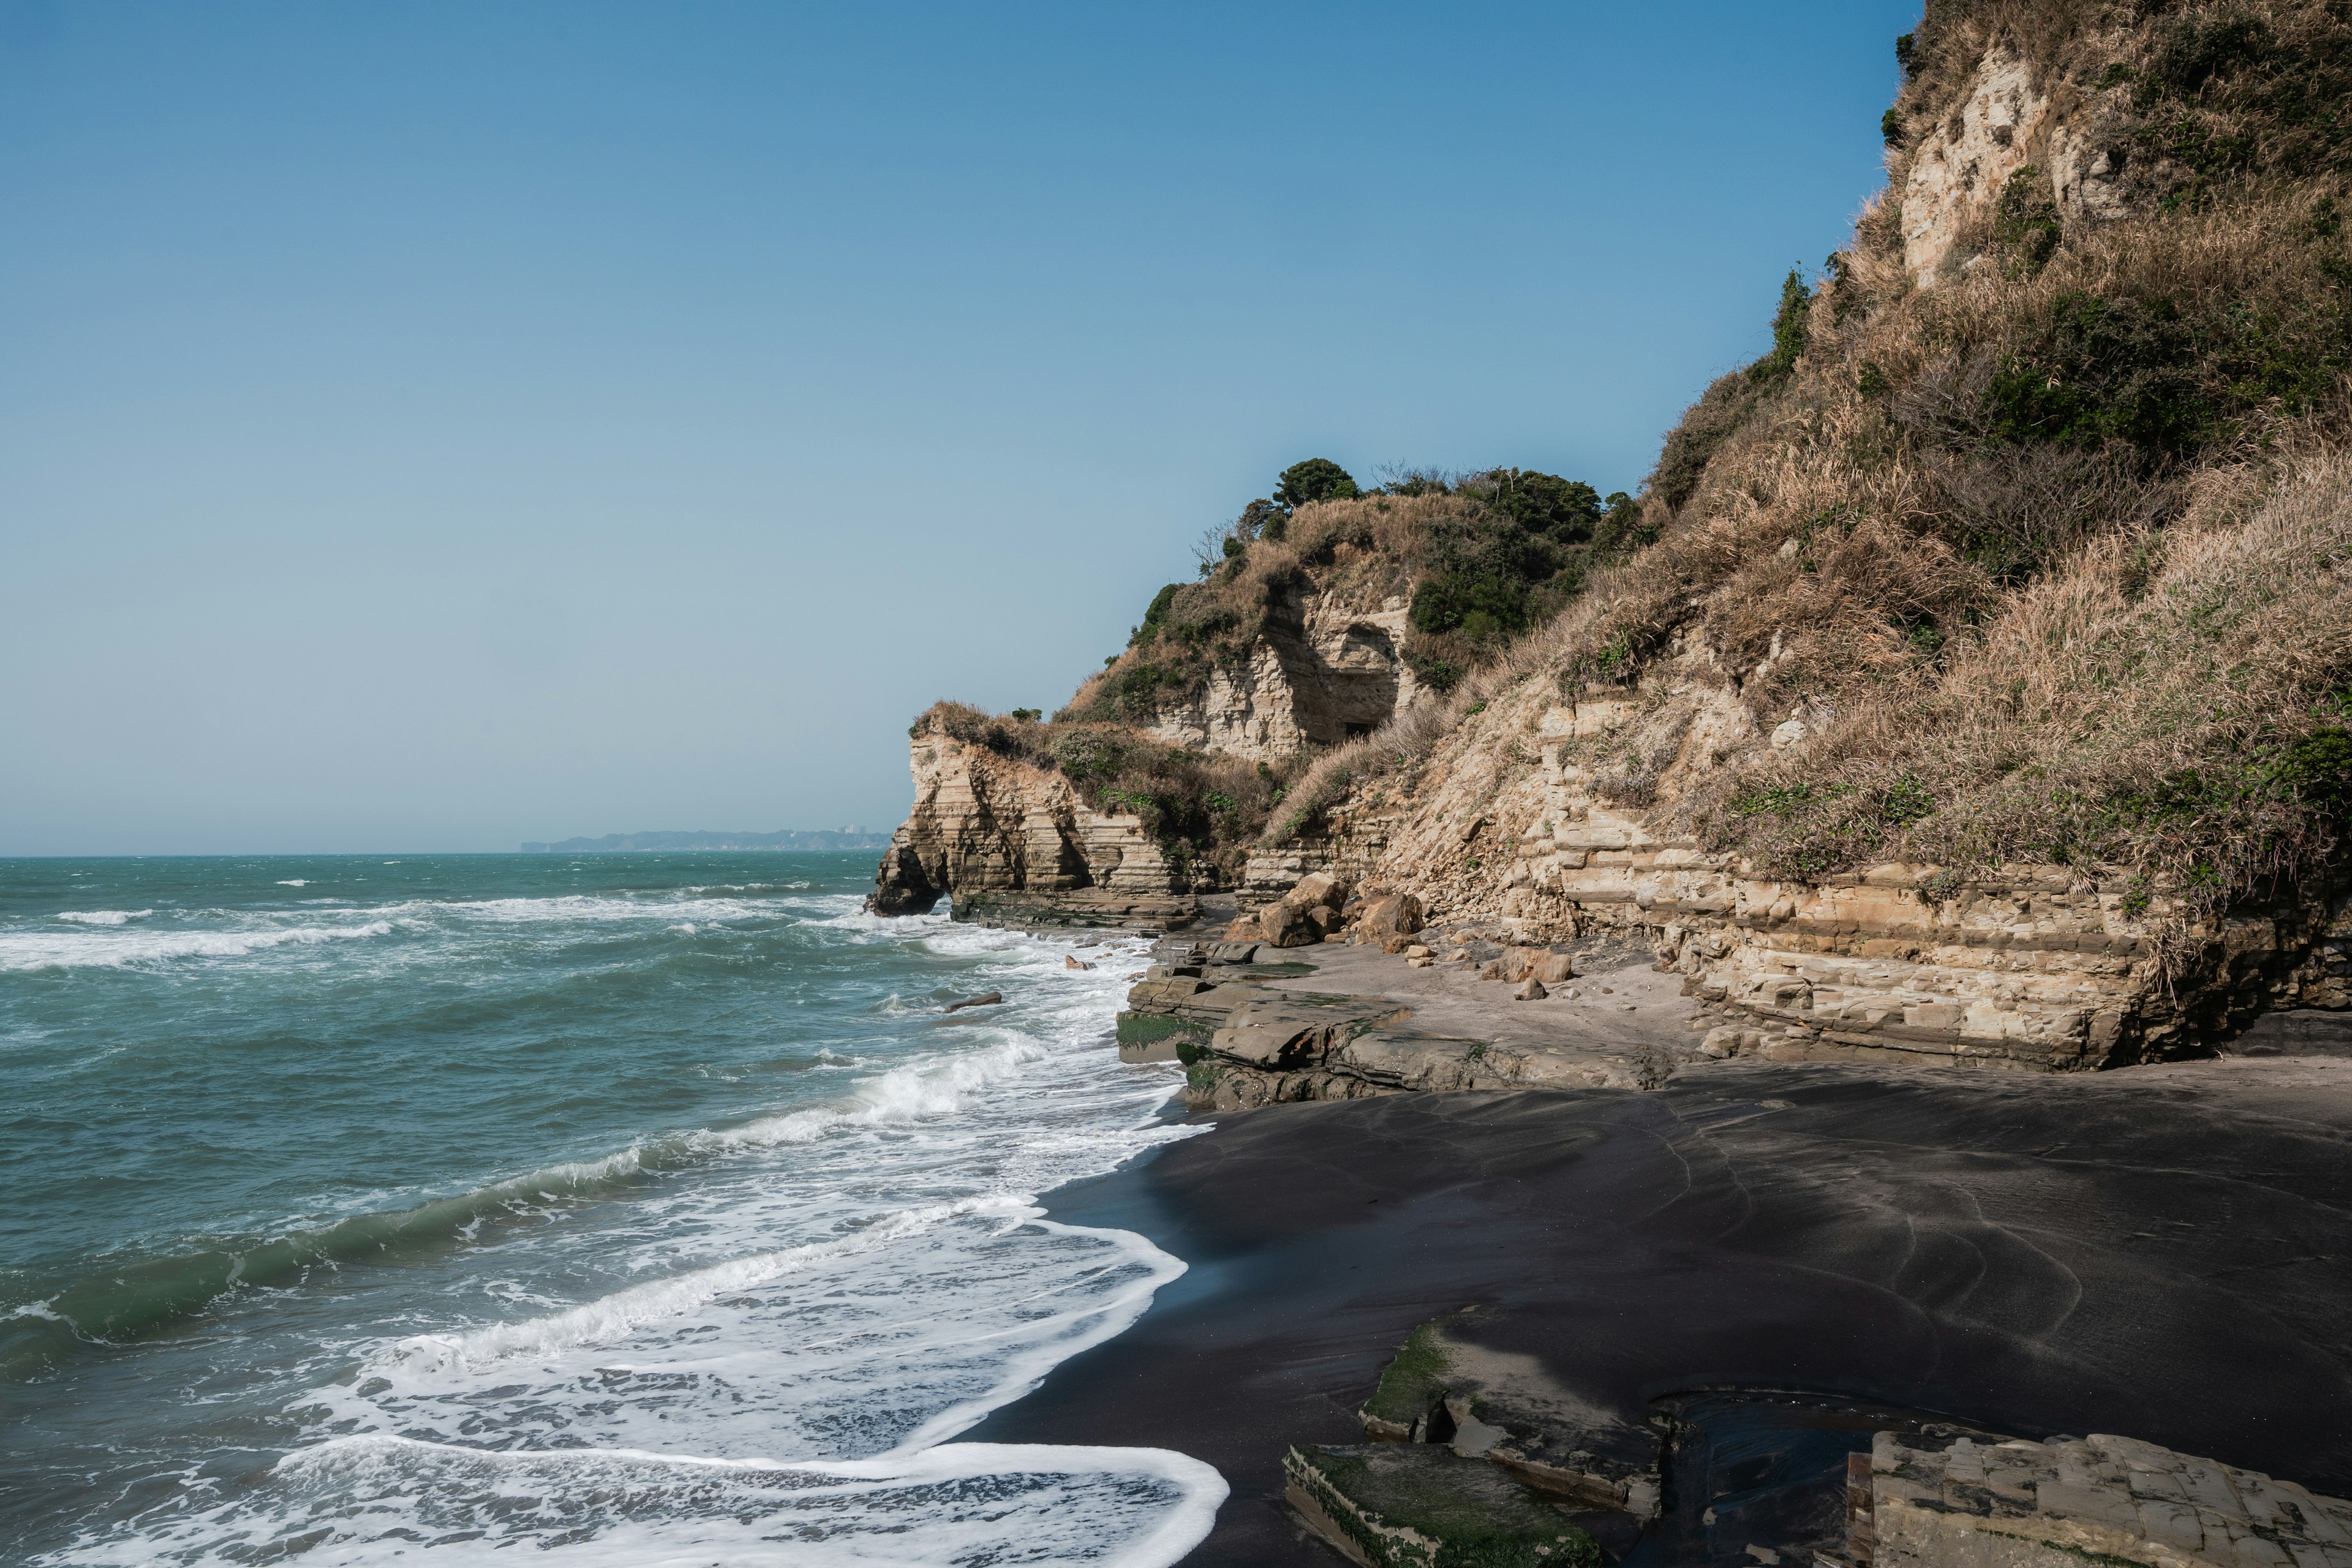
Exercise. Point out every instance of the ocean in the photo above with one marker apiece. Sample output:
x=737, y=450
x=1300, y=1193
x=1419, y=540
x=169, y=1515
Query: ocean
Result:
x=600, y=1209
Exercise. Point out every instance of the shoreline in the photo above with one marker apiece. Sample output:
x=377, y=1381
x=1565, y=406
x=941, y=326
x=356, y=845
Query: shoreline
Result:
x=2160, y=1252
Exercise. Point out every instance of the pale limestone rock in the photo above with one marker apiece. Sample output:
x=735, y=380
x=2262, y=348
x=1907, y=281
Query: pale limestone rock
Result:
x=2043, y=968
x=1959, y=165
x=1327, y=667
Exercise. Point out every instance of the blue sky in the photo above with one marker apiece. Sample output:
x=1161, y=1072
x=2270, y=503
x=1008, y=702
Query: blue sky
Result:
x=435, y=426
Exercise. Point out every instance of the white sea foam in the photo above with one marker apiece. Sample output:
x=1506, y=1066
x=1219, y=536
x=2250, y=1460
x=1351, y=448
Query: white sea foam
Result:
x=615, y=1316
x=295, y=882
x=115, y=949
x=962, y=1503
x=103, y=917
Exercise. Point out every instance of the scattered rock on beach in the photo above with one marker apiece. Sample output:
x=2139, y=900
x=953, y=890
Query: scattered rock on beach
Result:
x=985, y=999
x=1531, y=990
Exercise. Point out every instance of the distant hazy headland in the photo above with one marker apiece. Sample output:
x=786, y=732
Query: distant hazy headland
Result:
x=819, y=838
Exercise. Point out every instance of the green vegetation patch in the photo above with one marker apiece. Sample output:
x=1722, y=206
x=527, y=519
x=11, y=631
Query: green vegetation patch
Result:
x=1151, y=1028
x=1515, y=559
x=2169, y=382
x=1818, y=828
x=1420, y=1504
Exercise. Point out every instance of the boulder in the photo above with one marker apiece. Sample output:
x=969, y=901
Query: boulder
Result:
x=1287, y=925
x=1157, y=995
x=1392, y=914
x=1408, y=1505
x=1234, y=952
x=985, y=999
x=1531, y=990
x=1073, y=962
x=1553, y=968
x=1318, y=888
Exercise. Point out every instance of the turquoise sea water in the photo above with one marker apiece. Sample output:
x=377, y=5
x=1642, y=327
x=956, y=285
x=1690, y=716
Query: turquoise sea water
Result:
x=600, y=1209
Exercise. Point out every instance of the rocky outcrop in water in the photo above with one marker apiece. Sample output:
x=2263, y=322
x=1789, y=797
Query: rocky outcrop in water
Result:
x=1008, y=841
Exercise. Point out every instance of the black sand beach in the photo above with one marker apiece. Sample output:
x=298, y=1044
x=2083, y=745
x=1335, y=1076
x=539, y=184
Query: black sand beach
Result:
x=2164, y=1253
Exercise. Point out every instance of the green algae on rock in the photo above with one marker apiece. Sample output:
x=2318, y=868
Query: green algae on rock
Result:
x=1416, y=1505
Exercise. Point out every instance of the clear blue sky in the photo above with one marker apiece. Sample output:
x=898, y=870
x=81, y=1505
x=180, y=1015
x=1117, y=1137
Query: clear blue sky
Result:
x=432, y=425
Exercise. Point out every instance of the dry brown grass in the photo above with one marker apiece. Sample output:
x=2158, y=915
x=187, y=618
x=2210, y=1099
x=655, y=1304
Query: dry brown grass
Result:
x=2138, y=708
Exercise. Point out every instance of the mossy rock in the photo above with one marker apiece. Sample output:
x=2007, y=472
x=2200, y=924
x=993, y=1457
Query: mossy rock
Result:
x=1151, y=1028
x=1418, y=1505
x=1412, y=1383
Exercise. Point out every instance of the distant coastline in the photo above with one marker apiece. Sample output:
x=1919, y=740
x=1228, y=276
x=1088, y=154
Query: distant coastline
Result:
x=791, y=838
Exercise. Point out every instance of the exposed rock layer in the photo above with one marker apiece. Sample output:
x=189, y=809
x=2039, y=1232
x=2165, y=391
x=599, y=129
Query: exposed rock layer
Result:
x=1012, y=842
x=1527, y=819
x=1326, y=666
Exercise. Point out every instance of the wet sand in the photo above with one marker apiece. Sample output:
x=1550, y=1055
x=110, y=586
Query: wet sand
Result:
x=2160, y=1252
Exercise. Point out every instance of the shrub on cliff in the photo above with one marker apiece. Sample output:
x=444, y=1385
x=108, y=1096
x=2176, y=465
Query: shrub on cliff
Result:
x=1789, y=324
x=1317, y=478
x=1518, y=554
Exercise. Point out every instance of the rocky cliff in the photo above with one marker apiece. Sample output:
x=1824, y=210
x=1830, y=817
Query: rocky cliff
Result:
x=1311, y=627
x=1005, y=838
x=1983, y=697
x=1970, y=682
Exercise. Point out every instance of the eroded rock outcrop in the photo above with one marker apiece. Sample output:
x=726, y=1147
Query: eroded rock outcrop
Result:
x=1963, y=160
x=1009, y=841
x=1326, y=667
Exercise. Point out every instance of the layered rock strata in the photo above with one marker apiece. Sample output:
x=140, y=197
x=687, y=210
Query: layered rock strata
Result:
x=1013, y=842
x=1555, y=818
x=2066, y=1502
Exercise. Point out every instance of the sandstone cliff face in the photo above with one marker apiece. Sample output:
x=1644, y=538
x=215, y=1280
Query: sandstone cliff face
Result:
x=1328, y=666
x=1527, y=821
x=1008, y=841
